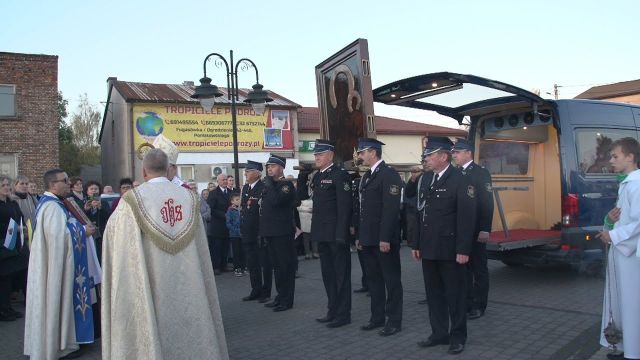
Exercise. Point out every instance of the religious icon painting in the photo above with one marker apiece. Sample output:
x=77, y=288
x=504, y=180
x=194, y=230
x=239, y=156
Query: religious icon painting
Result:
x=273, y=138
x=280, y=119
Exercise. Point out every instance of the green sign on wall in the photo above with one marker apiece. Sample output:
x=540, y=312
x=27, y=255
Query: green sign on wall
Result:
x=306, y=146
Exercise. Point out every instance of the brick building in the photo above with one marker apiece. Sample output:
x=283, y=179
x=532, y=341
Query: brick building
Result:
x=28, y=119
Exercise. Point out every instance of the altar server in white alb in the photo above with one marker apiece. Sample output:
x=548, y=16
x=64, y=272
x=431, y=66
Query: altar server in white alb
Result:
x=622, y=287
x=159, y=293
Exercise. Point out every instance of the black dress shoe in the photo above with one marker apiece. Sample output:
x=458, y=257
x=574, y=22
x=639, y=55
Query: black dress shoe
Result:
x=250, y=298
x=272, y=304
x=433, y=342
x=281, y=308
x=361, y=290
x=338, y=323
x=615, y=355
x=371, y=326
x=423, y=302
x=325, y=319
x=475, y=314
x=455, y=349
x=389, y=330
x=263, y=300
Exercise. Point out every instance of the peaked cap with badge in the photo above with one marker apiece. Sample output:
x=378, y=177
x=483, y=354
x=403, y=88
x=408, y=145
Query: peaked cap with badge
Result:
x=435, y=144
x=323, y=146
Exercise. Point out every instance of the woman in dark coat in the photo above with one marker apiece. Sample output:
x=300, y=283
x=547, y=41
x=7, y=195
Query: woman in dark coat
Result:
x=97, y=210
x=11, y=260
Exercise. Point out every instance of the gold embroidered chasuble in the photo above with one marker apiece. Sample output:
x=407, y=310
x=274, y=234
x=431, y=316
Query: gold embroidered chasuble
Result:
x=159, y=293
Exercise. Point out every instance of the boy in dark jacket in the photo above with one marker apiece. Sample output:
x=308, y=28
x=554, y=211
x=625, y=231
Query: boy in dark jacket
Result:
x=233, y=224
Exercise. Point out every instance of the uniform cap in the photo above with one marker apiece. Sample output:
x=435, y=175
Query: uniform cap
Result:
x=436, y=143
x=277, y=160
x=369, y=143
x=461, y=145
x=253, y=165
x=323, y=146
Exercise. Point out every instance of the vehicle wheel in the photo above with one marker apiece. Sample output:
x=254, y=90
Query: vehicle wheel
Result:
x=512, y=263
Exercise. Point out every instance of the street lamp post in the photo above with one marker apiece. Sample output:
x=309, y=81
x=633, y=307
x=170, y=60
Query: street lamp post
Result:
x=206, y=94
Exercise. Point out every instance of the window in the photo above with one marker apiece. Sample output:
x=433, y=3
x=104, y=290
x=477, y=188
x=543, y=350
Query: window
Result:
x=186, y=172
x=7, y=100
x=9, y=165
x=504, y=158
x=593, y=147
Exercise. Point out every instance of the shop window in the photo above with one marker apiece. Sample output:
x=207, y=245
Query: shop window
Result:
x=504, y=157
x=7, y=100
x=594, y=146
x=186, y=173
x=9, y=165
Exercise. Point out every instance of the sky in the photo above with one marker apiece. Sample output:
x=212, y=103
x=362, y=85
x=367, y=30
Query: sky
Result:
x=532, y=44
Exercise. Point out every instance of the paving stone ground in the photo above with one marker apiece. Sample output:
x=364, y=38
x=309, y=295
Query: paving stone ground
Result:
x=533, y=313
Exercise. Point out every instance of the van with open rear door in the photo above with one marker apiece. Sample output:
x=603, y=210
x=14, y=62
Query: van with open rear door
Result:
x=549, y=162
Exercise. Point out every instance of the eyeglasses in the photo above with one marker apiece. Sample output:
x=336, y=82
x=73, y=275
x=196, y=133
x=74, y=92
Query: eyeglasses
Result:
x=65, y=180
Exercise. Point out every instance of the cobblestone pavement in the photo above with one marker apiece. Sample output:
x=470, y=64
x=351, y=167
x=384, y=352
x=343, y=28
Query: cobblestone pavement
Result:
x=533, y=313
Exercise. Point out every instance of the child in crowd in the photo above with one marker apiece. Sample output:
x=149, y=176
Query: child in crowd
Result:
x=233, y=224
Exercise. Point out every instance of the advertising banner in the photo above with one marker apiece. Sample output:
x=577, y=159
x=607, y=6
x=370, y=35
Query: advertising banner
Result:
x=194, y=130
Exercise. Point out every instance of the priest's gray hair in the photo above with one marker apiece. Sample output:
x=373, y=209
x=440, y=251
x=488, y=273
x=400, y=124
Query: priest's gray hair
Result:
x=155, y=161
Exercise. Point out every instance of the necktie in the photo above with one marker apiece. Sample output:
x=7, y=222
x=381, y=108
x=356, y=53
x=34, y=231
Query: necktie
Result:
x=435, y=179
x=367, y=175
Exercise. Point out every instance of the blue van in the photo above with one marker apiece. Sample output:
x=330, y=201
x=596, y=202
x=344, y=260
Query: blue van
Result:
x=549, y=161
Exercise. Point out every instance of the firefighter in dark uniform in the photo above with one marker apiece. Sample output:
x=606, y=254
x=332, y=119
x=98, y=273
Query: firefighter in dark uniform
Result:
x=379, y=237
x=446, y=205
x=331, y=215
x=478, y=272
x=260, y=270
x=277, y=227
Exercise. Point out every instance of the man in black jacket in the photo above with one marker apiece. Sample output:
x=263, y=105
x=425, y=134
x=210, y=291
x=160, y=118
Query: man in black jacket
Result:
x=277, y=227
x=260, y=270
x=478, y=272
x=218, y=201
x=379, y=237
x=446, y=205
x=331, y=215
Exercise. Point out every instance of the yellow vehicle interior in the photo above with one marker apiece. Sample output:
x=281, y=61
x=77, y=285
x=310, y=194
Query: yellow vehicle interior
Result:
x=520, y=150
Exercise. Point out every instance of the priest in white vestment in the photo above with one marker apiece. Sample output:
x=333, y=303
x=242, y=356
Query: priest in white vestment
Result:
x=159, y=297
x=58, y=305
x=622, y=288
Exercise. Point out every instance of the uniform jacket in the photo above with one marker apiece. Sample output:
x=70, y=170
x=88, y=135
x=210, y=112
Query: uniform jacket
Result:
x=481, y=181
x=276, y=208
x=331, y=214
x=250, y=212
x=379, y=206
x=447, y=220
x=219, y=203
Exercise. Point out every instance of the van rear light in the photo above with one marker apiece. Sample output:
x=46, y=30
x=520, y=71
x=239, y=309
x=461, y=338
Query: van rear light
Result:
x=570, y=210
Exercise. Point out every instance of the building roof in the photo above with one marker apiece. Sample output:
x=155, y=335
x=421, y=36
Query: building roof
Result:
x=173, y=93
x=612, y=90
x=309, y=122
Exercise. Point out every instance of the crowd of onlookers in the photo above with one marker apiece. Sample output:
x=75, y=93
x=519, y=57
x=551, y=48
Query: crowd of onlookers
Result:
x=219, y=207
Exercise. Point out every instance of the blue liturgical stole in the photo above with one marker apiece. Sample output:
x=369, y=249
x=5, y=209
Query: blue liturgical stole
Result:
x=83, y=314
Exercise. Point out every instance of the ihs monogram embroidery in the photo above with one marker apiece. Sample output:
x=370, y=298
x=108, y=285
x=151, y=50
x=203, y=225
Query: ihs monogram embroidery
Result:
x=170, y=213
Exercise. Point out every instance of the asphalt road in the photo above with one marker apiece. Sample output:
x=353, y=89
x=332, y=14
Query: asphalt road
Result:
x=533, y=313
